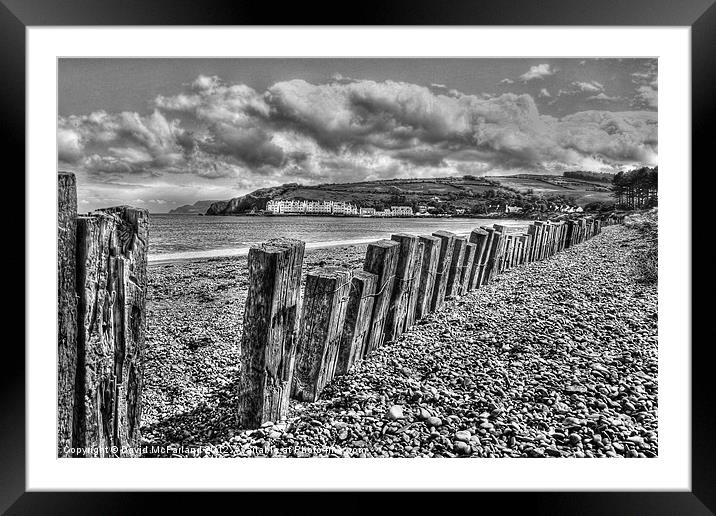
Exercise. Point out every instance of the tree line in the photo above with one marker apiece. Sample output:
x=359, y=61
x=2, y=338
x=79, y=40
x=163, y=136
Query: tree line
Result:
x=601, y=177
x=636, y=188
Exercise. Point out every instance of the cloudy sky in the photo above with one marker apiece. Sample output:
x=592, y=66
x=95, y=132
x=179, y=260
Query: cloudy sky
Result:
x=159, y=133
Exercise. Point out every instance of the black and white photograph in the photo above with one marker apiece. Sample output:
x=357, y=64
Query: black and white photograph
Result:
x=357, y=257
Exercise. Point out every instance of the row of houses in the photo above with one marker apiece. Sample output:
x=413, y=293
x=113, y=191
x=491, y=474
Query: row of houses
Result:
x=394, y=211
x=293, y=207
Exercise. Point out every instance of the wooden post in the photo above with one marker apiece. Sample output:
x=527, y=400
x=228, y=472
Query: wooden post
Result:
x=268, y=341
x=381, y=258
x=536, y=241
x=512, y=241
x=532, y=237
x=478, y=237
x=486, y=255
x=431, y=256
x=569, y=234
x=528, y=247
x=405, y=276
x=414, y=294
x=111, y=285
x=66, y=308
x=502, y=249
x=325, y=299
x=521, y=248
x=466, y=269
x=454, y=276
x=493, y=261
x=447, y=242
x=504, y=262
x=356, y=327
x=539, y=252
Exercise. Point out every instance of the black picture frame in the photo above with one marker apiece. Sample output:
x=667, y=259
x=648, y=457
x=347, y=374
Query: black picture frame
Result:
x=17, y=15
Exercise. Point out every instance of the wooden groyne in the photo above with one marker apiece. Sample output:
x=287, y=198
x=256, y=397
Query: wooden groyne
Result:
x=293, y=343
x=347, y=315
x=102, y=284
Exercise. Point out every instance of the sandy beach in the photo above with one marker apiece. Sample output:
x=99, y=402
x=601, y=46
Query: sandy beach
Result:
x=555, y=358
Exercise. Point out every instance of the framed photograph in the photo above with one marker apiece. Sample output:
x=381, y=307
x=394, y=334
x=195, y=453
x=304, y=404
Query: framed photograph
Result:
x=427, y=251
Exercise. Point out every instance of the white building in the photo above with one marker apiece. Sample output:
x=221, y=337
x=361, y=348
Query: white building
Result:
x=287, y=207
x=401, y=211
x=319, y=207
x=367, y=212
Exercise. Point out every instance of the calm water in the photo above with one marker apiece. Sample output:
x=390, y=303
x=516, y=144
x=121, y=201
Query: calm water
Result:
x=176, y=237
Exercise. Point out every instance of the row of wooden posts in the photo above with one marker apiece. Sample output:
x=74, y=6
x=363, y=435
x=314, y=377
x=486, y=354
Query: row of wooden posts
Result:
x=292, y=344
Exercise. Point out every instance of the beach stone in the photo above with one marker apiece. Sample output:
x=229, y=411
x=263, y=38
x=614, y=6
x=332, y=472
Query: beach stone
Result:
x=434, y=421
x=463, y=435
x=461, y=447
x=395, y=412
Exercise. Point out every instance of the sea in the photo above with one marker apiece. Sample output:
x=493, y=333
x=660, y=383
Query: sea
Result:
x=187, y=237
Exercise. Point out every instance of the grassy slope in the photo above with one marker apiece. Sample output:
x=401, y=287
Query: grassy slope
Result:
x=459, y=192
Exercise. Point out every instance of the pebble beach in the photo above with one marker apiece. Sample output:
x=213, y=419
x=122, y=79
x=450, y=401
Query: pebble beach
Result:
x=556, y=358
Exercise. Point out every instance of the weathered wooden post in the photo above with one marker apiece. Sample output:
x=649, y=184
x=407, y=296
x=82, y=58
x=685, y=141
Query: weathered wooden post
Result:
x=268, y=341
x=458, y=253
x=356, y=327
x=414, y=293
x=503, y=249
x=505, y=262
x=466, y=269
x=493, y=261
x=482, y=274
x=479, y=238
x=540, y=239
x=528, y=247
x=569, y=234
x=112, y=249
x=431, y=256
x=325, y=299
x=405, y=275
x=532, y=237
x=447, y=243
x=66, y=308
x=381, y=258
x=521, y=249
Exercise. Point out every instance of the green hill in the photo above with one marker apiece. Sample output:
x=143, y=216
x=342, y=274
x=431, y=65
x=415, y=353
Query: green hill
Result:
x=469, y=193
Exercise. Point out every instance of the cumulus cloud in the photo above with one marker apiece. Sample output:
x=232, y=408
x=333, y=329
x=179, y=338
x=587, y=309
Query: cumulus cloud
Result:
x=647, y=86
x=347, y=130
x=544, y=92
x=589, y=86
x=647, y=95
x=507, y=80
x=538, y=72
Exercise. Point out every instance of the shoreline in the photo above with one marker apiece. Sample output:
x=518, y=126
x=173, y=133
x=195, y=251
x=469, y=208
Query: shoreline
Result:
x=243, y=251
x=477, y=366
x=219, y=254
